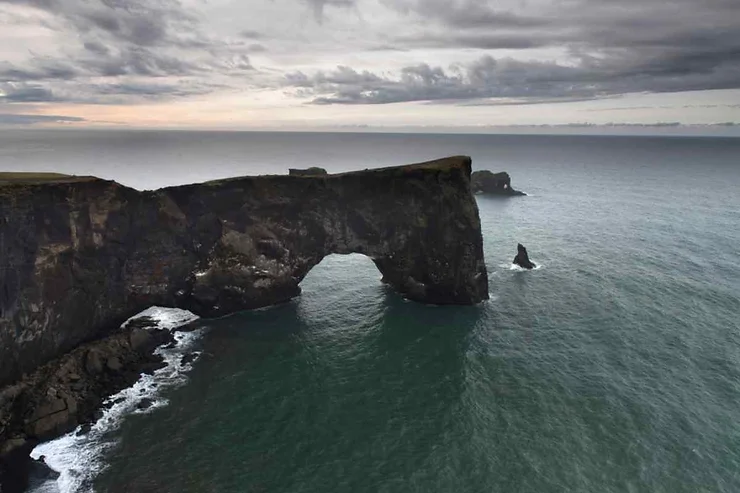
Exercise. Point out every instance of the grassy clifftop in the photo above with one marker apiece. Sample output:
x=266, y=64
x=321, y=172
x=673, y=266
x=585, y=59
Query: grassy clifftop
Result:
x=7, y=178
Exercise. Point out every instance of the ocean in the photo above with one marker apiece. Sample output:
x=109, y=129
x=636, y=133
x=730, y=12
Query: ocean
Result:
x=612, y=367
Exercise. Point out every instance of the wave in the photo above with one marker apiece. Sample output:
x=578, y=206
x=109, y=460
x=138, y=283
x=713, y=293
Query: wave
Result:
x=79, y=456
x=516, y=268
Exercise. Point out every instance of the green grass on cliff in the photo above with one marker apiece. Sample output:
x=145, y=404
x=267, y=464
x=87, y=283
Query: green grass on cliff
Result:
x=7, y=178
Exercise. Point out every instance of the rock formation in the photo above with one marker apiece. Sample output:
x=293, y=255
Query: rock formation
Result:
x=522, y=259
x=313, y=171
x=68, y=391
x=486, y=182
x=80, y=255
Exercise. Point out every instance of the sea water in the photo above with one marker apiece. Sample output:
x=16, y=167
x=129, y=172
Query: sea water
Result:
x=615, y=366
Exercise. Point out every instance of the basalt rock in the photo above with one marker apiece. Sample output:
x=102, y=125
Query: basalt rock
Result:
x=522, y=258
x=66, y=392
x=487, y=182
x=313, y=171
x=80, y=255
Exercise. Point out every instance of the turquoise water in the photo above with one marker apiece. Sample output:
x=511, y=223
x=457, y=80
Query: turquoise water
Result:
x=614, y=367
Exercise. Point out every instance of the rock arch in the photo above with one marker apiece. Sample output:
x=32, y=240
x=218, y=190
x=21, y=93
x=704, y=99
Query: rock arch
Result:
x=80, y=255
x=418, y=223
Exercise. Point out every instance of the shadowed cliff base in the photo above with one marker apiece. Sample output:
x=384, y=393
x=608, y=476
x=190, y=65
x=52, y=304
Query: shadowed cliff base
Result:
x=81, y=255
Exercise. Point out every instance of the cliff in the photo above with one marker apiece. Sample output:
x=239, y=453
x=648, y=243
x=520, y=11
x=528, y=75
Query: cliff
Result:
x=487, y=182
x=79, y=255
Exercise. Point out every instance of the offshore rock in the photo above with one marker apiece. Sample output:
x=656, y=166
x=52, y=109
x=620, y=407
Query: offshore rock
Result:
x=522, y=258
x=80, y=255
x=487, y=182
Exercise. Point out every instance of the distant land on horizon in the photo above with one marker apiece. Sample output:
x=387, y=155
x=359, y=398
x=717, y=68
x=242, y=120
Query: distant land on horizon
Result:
x=668, y=129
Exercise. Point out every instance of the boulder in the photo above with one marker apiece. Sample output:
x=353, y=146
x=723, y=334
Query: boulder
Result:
x=188, y=358
x=140, y=340
x=114, y=364
x=144, y=404
x=94, y=362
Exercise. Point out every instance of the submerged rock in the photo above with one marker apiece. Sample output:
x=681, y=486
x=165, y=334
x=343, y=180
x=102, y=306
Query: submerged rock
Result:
x=487, y=182
x=144, y=404
x=522, y=258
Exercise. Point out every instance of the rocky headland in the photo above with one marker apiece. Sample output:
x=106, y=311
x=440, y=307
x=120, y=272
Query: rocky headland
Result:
x=489, y=183
x=80, y=255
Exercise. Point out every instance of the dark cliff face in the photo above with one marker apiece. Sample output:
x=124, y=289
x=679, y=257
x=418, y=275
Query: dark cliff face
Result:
x=487, y=182
x=78, y=257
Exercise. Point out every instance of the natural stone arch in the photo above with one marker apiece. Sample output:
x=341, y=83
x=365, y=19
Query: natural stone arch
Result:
x=419, y=224
x=351, y=270
x=80, y=255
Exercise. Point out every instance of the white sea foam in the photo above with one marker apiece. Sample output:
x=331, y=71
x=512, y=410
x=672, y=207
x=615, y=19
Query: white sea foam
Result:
x=167, y=318
x=79, y=459
x=517, y=268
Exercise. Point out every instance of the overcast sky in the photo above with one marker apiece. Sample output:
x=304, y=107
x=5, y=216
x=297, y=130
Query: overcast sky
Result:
x=315, y=63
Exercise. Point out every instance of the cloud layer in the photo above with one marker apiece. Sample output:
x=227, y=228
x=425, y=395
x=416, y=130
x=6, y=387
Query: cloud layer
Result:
x=362, y=52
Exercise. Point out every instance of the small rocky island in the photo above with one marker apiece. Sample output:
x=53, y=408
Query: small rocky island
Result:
x=489, y=183
x=522, y=258
x=80, y=255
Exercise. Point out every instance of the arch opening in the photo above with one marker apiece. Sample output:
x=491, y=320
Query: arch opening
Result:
x=342, y=273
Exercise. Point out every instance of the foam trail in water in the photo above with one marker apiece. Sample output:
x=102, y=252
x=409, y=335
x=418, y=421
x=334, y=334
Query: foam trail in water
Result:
x=518, y=268
x=79, y=458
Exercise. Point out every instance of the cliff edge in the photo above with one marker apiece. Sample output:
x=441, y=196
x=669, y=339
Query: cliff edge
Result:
x=80, y=255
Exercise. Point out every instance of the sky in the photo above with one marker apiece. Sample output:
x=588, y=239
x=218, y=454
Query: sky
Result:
x=251, y=64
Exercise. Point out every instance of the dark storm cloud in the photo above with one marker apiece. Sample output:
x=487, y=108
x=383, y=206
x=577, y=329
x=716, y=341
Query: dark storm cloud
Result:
x=486, y=78
x=137, y=22
x=615, y=47
x=467, y=14
x=119, y=40
x=105, y=93
x=13, y=119
x=508, y=78
x=121, y=50
x=24, y=93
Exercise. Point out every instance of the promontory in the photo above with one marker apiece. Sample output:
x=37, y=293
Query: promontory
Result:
x=80, y=255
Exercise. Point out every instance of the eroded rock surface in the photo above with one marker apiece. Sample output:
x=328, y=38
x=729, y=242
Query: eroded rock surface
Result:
x=487, y=182
x=313, y=171
x=522, y=258
x=79, y=256
x=68, y=391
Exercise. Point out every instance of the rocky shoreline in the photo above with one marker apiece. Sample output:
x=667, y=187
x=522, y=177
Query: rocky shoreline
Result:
x=70, y=391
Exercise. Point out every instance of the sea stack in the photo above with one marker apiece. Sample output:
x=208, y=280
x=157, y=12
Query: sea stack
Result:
x=489, y=183
x=522, y=259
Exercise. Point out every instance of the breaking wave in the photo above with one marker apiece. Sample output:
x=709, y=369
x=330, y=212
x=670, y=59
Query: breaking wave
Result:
x=78, y=457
